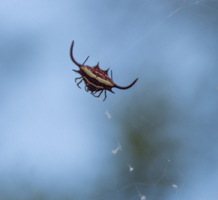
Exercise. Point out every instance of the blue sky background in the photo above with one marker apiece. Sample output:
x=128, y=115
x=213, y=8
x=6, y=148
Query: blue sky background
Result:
x=56, y=140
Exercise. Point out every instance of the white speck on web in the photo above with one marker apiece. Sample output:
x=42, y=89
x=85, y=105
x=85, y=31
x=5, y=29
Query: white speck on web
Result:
x=108, y=114
x=175, y=186
x=143, y=198
x=117, y=149
x=130, y=168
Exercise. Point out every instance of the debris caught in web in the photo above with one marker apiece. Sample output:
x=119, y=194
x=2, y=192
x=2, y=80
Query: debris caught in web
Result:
x=143, y=198
x=117, y=149
x=108, y=114
x=130, y=168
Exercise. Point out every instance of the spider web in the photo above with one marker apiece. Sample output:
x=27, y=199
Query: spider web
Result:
x=151, y=152
x=156, y=140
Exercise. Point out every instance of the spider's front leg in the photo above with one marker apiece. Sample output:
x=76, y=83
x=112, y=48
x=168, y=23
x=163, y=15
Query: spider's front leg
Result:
x=79, y=82
x=78, y=78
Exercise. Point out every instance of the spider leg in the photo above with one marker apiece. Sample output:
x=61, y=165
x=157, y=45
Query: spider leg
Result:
x=78, y=78
x=93, y=93
x=105, y=95
x=86, y=89
x=111, y=75
x=79, y=83
x=98, y=95
x=85, y=60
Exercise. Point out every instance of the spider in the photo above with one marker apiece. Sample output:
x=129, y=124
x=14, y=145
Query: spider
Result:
x=95, y=79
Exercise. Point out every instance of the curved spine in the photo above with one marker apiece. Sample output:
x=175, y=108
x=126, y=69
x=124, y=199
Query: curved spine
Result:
x=124, y=88
x=71, y=55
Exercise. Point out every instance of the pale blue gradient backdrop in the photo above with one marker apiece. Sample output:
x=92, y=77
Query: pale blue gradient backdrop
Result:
x=56, y=140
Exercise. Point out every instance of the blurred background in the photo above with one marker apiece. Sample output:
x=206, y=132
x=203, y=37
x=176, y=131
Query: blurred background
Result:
x=156, y=140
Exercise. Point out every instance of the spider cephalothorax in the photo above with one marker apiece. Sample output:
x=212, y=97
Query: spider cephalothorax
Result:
x=96, y=79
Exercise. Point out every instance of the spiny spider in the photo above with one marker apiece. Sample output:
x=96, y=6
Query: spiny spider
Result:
x=96, y=79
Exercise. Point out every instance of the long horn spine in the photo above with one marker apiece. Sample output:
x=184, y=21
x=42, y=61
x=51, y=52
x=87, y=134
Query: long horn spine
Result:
x=124, y=88
x=71, y=55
